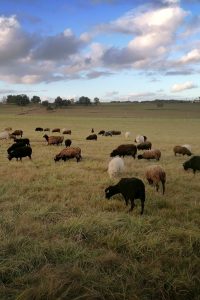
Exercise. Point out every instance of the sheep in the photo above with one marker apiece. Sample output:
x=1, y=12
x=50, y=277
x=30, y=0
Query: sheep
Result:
x=144, y=146
x=4, y=135
x=101, y=132
x=125, y=149
x=193, y=163
x=8, y=129
x=189, y=147
x=140, y=139
x=56, y=130
x=127, y=135
x=17, y=132
x=155, y=174
x=15, y=146
x=20, y=152
x=115, y=166
x=68, y=143
x=53, y=140
x=115, y=132
x=68, y=153
x=38, y=129
x=107, y=133
x=150, y=154
x=91, y=137
x=66, y=131
x=131, y=189
x=46, y=129
x=181, y=150
x=25, y=141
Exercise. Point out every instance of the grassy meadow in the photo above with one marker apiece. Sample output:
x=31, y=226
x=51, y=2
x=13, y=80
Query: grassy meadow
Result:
x=61, y=239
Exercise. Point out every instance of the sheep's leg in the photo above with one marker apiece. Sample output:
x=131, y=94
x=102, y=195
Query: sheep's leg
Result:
x=194, y=171
x=132, y=204
x=126, y=200
x=30, y=156
x=163, y=186
x=142, y=207
x=157, y=187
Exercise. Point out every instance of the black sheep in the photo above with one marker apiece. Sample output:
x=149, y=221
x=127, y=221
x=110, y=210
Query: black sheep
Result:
x=25, y=141
x=101, y=132
x=38, y=129
x=68, y=143
x=15, y=146
x=91, y=137
x=144, y=146
x=193, y=163
x=20, y=152
x=131, y=189
x=125, y=149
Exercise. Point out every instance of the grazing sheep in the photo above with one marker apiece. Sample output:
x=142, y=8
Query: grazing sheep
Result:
x=4, y=135
x=150, y=154
x=53, y=140
x=68, y=143
x=15, y=146
x=101, y=132
x=8, y=129
x=144, y=146
x=127, y=135
x=193, y=163
x=155, y=174
x=125, y=150
x=38, y=129
x=17, y=132
x=115, y=166
x=20, y=152
x=189, y=147
x=115, y=132
x=56, y=130
x=68, y=153
x=140, y=139
x=107, y=133
x=46, y=129
x=181, y=150
x=66, y=131
x=131, y=189
x=25, y=141
x=91, y=137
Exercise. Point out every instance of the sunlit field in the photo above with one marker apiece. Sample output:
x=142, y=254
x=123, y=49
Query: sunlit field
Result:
x=60, y=237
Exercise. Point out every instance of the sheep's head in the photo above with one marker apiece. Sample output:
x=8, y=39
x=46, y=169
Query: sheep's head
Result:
x=186, y=165
x=10, y=156
x=140, y=156
x=108, y=193
x=113, y=153
x=57, y=158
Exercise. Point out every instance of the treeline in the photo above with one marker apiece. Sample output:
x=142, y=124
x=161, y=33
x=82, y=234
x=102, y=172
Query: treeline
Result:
x=24, y=100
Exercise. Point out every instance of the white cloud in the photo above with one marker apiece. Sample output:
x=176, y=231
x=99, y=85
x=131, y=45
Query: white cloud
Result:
x=179, y=87
x=190, y=57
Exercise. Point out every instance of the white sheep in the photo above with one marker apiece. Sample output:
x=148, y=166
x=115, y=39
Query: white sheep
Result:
x=140, y=139
x=127, y=135
x=189, y=147
x=4, y=135
x=115, y=166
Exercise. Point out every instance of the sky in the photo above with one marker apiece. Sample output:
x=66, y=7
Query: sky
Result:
x=111, y=49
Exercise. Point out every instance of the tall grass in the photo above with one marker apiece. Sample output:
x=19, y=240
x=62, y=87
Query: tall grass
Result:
x=60, y=237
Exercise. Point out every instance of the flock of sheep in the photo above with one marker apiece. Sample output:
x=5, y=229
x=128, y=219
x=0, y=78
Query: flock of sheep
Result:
x=131, y=188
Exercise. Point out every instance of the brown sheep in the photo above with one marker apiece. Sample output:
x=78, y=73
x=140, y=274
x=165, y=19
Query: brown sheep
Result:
x=155, y=174
x=8, y=129
x=68, y=153
x=17, y=132
x=56, y=130
x=150, y=154
x=144, y=146
x=67, y=132
x=46, y=129
x=125, y=149
x=115, y=132
x=54, y=140
x=182, y=150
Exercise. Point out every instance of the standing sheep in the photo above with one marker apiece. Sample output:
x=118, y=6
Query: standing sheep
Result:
x=68, y=143
x=127, y=135
x=69, y=153
x=144, y=146
x=155, y=174
x=124, y=149
x=115, y=166
x=193, y=163
x=53, y=140
x=131, y=189
x=20, y=152
x=150, y=154
x=181, y=150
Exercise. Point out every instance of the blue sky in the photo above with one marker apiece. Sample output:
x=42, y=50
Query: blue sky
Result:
x=110, y=49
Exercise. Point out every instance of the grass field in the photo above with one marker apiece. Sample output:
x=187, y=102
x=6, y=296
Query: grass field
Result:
x=60, y=237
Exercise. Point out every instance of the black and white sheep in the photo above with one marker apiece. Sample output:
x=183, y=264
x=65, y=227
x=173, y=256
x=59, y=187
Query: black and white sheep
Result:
x=115, y=166
x=140, y=139
x=20, y=152
x=107, y=133
x=131, y=189
x=154, y=175
x=124, y=150
x=181, y=150
x=150, y=154
x=193, y=163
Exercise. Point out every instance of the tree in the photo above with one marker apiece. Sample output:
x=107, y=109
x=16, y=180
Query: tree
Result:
x=45, y=103
x=84, y=100
x=96, y=101
x=58, y=101
x=35, y=99
x=21, y=100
